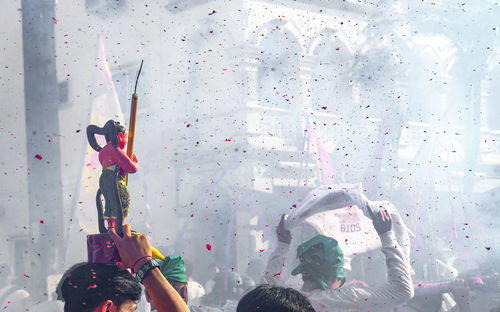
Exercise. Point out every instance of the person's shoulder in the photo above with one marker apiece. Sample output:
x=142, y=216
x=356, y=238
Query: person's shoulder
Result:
x=347, y=292
x=355, y=284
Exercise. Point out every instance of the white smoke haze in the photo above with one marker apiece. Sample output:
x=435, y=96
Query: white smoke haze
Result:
x=402, y=96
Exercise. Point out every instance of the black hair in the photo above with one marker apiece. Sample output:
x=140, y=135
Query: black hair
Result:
x=120, y=128
x=109, y=131
x=267, y=298
x=87, y=285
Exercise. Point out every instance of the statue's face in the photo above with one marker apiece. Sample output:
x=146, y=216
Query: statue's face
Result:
x=122, y=139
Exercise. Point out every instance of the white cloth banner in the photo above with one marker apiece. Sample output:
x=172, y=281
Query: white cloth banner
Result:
x=341, y=211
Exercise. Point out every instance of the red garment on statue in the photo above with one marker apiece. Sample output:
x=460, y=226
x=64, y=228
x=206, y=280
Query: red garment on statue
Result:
x=110, y=155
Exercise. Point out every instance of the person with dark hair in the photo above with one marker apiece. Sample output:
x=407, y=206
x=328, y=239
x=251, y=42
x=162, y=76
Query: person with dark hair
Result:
x=321, y=266
x=267, y=298
x=96, y=287
x=136, y=254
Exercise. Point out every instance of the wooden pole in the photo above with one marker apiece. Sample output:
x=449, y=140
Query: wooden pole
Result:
x=133, y=118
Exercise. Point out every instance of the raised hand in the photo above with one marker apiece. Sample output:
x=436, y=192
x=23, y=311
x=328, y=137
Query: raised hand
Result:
x=134, y=249
x=382, y=221
x=284, y=235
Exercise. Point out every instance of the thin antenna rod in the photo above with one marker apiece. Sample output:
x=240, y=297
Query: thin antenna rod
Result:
x=137, y=79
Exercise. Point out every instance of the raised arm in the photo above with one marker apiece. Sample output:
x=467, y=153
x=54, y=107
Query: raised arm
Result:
x=136, y=252
x=126, y=164
x=395, y=291
x=276, y=260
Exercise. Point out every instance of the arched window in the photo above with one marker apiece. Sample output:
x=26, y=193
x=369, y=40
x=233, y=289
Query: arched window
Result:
x=278, y=72
x=331, y=76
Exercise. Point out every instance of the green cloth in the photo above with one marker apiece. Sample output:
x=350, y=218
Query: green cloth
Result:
x=322, y=258
x=173, y=268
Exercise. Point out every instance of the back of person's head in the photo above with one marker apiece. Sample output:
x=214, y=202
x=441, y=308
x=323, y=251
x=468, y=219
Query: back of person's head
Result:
x=322, y=259
x=267, y=298
x=86, y=285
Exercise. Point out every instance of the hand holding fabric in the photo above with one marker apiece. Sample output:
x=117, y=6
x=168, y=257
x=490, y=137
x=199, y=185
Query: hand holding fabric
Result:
x=382, y=221
x=283, y=234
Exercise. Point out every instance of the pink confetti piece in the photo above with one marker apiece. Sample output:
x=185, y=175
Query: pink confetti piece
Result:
x=38, y=157
x=42, y=222
x=27, y=276
x=209, y=247
x=487, y=248
x=55, y=20
x=92, y=286
x=323, y=107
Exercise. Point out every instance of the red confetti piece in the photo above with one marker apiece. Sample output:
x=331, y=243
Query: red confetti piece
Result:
x=55, y=20
x=41, y=221
x=209, y=247
x=213, y=12
x=228, y=140
x=78, y=131
x=27, y=276
x=188, y=125
x=277, y=274
x=261, y=250
x=38, y=157
x=323, y=107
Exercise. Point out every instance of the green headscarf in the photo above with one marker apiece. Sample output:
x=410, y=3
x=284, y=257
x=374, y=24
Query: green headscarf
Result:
x=173, y=268
x=322, y=258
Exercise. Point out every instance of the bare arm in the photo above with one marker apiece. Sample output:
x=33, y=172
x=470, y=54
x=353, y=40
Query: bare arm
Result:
x=135, y=250
x=164, y=296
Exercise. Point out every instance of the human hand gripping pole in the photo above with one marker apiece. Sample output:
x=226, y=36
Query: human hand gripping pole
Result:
x=136, y=251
